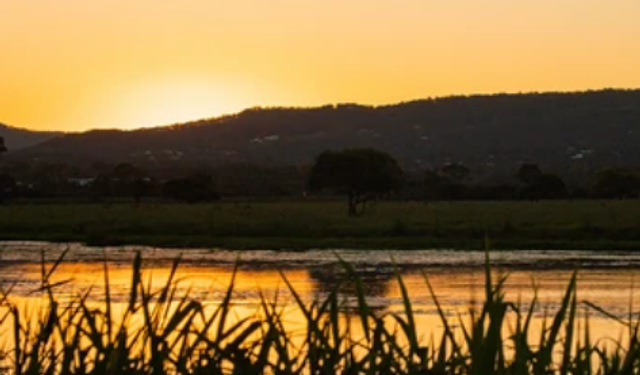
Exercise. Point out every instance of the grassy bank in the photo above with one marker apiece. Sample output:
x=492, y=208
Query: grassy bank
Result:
x=164, y=331
x=301, y=225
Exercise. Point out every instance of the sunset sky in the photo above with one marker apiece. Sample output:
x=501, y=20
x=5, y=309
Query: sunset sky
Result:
x=79, y=64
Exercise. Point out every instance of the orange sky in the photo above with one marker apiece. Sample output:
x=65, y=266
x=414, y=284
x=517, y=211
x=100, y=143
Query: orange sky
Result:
x=79, y=64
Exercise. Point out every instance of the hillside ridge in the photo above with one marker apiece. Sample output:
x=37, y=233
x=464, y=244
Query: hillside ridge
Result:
x=579, y=131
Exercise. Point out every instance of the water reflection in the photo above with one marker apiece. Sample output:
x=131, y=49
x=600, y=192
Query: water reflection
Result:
x=374, y=280
x=457, y=284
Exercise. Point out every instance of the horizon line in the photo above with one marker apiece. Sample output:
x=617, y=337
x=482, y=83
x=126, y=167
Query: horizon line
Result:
x=334, y=105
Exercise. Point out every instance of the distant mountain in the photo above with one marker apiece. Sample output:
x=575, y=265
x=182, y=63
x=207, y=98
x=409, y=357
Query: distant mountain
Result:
x=18, y=138
x=576, y=131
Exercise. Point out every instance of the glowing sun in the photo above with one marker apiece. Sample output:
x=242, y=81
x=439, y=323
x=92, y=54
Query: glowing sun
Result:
x=168, y=103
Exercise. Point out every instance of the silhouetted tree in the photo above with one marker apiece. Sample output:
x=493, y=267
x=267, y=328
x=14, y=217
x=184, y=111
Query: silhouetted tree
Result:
x=7, y=187
x=448, y=182
x=99, y=168
x=125, y=172
x=50, y=179
x=101, y=187
x=616, y=183
x=141, y=187
x=539, y=185
x=493, y=192
x=529, y=173
x=192, y=189
x=455, y=172
x=365, y=174
x=547, y=186
x=132, y=181
x=435, y=186
x=3, y=148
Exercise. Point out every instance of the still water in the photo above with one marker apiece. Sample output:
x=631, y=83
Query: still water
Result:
x=606, y=279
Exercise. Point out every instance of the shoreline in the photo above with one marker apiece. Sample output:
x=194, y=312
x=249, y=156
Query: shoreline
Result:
x=30, y=252
x=363, y=243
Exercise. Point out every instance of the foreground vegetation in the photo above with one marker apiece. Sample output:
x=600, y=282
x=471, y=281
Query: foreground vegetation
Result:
x=162, y=332
x=324, y=224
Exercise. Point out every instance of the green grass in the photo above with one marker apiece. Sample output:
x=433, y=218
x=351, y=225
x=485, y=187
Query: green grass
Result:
x=159, y=333
x=313, y=224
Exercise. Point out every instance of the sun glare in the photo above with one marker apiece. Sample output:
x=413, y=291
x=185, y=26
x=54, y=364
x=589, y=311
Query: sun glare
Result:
x=171, y=103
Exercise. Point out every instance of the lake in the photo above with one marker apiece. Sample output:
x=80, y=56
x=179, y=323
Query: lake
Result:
x=606, y=279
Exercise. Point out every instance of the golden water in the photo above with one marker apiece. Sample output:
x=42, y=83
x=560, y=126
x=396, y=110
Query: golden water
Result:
x=606, y=280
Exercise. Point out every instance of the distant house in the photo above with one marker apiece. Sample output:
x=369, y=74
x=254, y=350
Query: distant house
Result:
x=269, y=138
x=81, y=181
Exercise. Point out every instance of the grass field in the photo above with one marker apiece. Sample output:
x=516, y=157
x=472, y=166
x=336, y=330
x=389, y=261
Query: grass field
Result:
x=313, y=224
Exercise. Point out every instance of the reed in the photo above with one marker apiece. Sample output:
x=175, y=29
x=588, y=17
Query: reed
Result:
x=164, y=331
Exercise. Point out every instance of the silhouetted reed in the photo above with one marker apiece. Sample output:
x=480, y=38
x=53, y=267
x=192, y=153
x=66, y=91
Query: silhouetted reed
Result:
x=165, y=331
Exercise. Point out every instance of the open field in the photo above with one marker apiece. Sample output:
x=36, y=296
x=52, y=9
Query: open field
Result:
x=301, y=225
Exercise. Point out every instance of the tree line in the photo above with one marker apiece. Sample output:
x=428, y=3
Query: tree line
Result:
x=361, y=175
x=105, y=182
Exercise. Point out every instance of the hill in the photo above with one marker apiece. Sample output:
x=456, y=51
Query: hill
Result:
x=18, y=138
x=578, y=132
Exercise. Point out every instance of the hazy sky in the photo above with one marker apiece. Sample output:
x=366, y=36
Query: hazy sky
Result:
x=78, y=64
